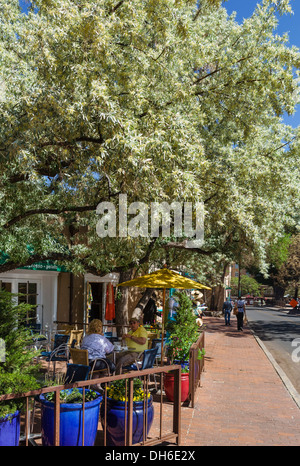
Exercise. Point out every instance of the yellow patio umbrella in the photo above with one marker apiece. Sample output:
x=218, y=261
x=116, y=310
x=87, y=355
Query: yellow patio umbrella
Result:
x=165, y=279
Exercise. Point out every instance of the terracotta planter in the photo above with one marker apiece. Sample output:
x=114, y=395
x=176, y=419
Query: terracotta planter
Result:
x=169, y=386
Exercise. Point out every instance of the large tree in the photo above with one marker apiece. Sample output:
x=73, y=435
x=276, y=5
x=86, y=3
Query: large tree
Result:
x=160, y=100
x=288, y=275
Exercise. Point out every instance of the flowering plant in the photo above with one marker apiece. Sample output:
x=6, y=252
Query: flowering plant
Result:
x=183, y=330
x=73, y=396
x=117, y=391
x=152, y=327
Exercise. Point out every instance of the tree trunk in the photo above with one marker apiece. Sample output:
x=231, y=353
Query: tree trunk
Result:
x=138, y=311
x=122, y=302
x=278, y=292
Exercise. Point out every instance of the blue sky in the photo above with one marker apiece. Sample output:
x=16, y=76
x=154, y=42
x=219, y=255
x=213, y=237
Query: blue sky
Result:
x=287, y=23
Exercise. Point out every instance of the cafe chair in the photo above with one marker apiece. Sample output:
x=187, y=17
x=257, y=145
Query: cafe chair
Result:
x=60, y=352
x=59, y=340
x=76, y=373
x=39, y=341
x=77, y=336
x=81, y=356
x=147, y=362
x=156, y=343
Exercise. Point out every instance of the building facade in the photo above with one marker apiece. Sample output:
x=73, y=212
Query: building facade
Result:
x=59, y=297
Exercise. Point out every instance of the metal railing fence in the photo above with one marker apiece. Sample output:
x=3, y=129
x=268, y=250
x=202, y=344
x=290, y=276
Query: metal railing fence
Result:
x=196, y=366
x=164, y=435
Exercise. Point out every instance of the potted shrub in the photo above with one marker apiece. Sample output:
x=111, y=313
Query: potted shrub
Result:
x=18, y=373
x=71, y=416
x=182, y=332
x=115, y=416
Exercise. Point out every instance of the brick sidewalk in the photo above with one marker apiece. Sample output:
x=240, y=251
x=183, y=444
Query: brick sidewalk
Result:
x=242, y=400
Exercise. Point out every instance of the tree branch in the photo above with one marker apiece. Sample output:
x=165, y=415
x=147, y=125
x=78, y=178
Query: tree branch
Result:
x=52, y=211
x=182, y=245
x=93, y=140
x=116, y=7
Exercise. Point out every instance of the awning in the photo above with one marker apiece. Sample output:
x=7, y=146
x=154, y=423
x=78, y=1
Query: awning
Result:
x=46, y=265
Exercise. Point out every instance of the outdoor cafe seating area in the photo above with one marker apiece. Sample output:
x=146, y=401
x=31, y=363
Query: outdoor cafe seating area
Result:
x=65, y=363
x=64, y=348
x=160, y=373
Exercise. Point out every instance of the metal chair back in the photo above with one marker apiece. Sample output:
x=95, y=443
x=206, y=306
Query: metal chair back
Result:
x=79, y=356
x=156, y=343
x=149, y=358
x=76, y=372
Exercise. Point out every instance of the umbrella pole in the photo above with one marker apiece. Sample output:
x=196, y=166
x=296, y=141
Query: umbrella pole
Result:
x=163, y=328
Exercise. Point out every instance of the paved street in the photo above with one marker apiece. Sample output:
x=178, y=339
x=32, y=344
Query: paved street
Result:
x=243, y=401
x=278, y=329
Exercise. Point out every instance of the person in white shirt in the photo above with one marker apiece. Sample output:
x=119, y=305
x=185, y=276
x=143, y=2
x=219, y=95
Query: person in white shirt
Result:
x=97, y=346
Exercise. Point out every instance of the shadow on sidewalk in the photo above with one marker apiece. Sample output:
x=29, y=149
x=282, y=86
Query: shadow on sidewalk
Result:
x=217, y=325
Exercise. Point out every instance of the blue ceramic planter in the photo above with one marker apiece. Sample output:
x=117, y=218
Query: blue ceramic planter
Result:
x=10, y=430
x=116, y=421
x=70, y=422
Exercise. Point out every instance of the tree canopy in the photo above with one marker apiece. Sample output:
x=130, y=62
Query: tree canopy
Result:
x=288, y=275
x=161, y=100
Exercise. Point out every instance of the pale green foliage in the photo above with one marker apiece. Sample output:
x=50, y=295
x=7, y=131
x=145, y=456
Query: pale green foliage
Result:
x=152, y=99
x=248, y=286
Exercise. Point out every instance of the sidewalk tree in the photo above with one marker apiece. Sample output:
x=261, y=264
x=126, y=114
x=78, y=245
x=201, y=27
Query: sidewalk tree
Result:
x=283, y=257
x=158, y=100
x=288, y=275
x=248, y=285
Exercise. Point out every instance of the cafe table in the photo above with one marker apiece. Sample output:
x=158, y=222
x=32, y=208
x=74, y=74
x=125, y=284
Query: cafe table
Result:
x=118, y=350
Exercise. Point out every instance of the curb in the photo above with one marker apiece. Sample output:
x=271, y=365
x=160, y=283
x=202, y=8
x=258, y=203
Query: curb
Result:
x=286, y=381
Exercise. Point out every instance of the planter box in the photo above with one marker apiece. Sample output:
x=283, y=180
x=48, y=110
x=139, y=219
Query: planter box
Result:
x=115, y=418
x=10, y=430
x=71, y=415
x=169, y=386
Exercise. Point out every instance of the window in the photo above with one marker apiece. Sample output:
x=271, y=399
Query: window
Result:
x=28, y=293
x=6, y=286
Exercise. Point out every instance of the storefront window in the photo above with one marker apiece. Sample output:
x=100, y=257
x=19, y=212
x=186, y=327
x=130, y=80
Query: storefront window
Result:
x=6, y=286
x=28, y=294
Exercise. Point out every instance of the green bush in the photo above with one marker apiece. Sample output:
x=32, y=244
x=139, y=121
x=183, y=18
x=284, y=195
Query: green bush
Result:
x=183, y=330
x=72, y=396
x=18, y=374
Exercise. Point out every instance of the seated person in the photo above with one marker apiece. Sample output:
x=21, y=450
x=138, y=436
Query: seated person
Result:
x=136, y=340
x=98, y=346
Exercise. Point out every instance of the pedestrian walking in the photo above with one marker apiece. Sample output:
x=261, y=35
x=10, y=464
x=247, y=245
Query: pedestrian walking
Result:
x=241, y=311
x=227, y=308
